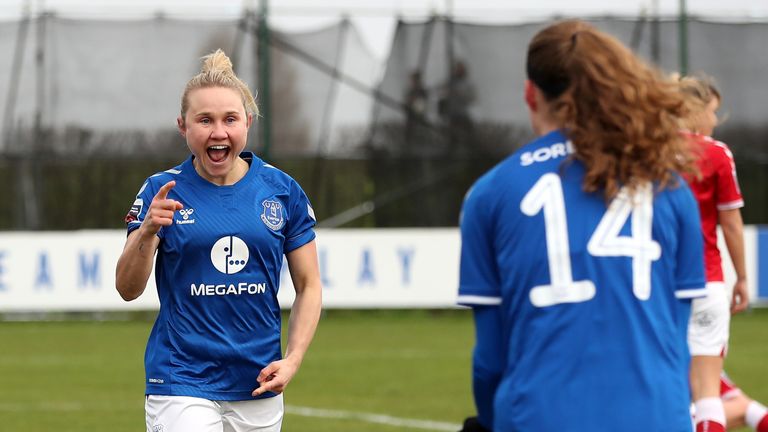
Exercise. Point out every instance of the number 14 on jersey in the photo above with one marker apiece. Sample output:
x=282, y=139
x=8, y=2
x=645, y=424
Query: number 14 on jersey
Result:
x=547, y=196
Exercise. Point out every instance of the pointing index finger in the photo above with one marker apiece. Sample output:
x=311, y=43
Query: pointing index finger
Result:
x=163, y=192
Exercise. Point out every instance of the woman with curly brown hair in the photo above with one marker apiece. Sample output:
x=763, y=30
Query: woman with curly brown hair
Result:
x=581, y=252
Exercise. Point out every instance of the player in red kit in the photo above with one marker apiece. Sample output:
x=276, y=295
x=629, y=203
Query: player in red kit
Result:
x=717, y=191
x=719, y=197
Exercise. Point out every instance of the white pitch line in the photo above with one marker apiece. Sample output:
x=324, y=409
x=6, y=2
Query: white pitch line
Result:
x=372, y=418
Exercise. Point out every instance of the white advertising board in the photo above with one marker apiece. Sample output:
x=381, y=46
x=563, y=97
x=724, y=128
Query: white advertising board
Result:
x=360, y=268
x=75, y=270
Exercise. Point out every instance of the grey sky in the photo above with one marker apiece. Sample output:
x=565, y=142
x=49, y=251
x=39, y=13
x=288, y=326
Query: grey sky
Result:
x=376, y=18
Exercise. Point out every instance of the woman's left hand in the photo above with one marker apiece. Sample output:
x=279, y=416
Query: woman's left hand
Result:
x=275, y=377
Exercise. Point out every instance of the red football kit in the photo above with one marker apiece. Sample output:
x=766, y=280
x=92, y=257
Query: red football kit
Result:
x=716, y=188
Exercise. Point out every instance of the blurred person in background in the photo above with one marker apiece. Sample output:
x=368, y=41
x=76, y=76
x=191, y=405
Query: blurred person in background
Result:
x=581, y=252
x=220, y=223
x=717, y=191
x=457, y=96
x=416, y=98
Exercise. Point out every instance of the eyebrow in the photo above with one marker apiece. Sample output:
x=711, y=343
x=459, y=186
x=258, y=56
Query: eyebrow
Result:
x=209, y=114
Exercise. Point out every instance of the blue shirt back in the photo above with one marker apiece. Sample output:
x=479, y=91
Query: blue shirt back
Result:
x=593, y=297
x=218, y=273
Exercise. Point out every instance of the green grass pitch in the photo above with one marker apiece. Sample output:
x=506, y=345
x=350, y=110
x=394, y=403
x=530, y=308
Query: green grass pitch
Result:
x=83, y=375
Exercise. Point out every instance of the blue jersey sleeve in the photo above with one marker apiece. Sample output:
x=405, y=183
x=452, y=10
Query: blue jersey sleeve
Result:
x=144, y=197
x=140, y=205
x=690, y=276
x=301, y=219
x=478, y=274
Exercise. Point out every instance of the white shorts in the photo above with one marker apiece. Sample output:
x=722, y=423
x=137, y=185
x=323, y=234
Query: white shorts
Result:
x=710, y=319
x=191, y=414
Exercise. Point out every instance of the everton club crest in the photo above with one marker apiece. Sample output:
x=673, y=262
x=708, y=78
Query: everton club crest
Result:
x=273, y=214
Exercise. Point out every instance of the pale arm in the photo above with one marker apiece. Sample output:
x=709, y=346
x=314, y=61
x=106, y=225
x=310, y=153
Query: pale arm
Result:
x=135, y=263
x=733, y=232
x=305, y=315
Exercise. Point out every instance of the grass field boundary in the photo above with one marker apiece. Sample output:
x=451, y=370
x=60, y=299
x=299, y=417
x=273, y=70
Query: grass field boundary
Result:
x=372, y=418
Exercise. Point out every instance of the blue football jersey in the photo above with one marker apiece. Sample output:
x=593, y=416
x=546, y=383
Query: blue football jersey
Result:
x=218, y=272
x=593, y=297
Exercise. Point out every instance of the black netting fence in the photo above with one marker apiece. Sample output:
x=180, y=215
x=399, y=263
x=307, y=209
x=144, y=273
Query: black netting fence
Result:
x=88, y=110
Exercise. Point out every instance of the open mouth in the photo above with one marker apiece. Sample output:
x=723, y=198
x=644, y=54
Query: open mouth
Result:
x=218, y=153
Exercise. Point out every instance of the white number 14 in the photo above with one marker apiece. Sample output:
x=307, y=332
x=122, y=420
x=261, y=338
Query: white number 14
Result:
x=547, y=195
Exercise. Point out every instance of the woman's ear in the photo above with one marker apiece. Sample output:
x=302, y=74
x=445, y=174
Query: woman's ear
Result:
x=530, y=95
x=181, y=126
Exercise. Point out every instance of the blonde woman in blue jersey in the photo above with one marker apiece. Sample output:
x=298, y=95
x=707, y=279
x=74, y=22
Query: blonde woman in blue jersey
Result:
x=581, y=251
x=220, y=224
